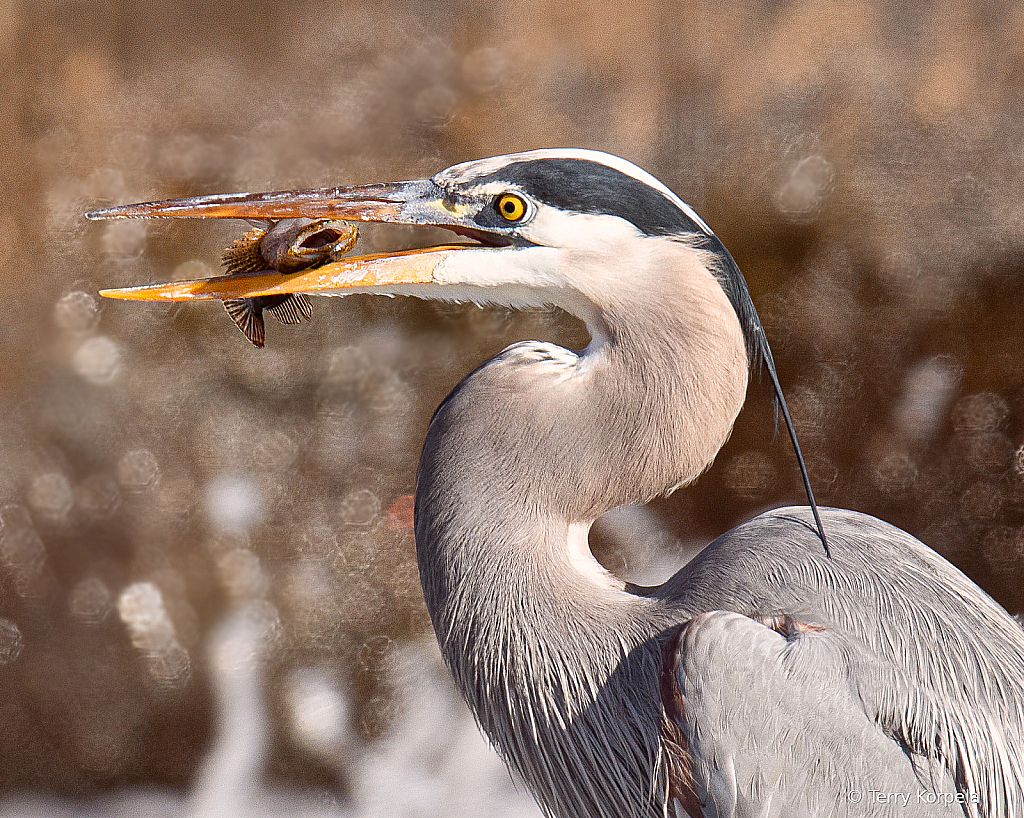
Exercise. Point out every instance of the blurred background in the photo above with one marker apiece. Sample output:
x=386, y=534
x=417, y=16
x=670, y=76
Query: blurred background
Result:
x=209, y=603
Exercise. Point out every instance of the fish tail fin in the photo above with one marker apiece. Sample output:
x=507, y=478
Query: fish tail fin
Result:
x=248, y=318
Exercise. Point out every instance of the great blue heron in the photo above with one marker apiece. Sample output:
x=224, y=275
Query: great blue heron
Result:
x=767, y=677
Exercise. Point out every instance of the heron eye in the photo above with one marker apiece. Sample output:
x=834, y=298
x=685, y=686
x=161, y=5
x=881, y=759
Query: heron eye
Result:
x=511, y=207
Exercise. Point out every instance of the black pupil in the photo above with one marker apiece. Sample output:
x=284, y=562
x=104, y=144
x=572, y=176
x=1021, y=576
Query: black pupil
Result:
x=510, y=206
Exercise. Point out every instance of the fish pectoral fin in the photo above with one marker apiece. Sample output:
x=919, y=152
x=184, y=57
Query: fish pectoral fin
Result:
x=248, y=318
x=294, y=309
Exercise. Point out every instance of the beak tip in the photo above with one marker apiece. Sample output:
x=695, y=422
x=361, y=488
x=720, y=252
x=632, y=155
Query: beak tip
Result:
x=119, y=294
x=105, y=214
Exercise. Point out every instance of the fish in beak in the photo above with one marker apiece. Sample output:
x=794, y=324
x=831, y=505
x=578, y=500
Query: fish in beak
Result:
x=418, y=202
x=287, y=246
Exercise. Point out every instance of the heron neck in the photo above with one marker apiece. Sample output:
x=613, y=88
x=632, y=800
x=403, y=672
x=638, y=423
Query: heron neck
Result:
x=532, y=447
x=518, y=461
x=548, y=657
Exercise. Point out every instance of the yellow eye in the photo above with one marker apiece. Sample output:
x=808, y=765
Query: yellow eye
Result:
x=511, y=207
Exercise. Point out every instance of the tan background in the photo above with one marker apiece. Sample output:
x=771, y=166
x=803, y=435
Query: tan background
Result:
x=863, y=162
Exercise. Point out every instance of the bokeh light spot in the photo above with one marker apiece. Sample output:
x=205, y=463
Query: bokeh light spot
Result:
x=11, y=641
x=50, y=495
x=98, y=360
x=359, y=508
x=233, y=502
x=77, y=312
x=90, y=601
x=137, y=470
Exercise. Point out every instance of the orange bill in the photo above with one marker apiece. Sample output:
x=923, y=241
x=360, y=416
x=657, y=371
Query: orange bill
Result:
x=355, y=272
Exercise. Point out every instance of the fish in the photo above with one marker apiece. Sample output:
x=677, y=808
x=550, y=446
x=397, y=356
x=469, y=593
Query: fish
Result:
x=287, y=246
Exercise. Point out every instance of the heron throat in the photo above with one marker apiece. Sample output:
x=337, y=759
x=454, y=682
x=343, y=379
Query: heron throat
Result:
x=519, y=459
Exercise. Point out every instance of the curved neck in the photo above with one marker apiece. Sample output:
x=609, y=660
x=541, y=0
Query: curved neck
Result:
x=518, y=461
x=641, y=411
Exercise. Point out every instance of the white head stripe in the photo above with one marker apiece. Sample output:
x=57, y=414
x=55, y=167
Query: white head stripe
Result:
x=482, y=167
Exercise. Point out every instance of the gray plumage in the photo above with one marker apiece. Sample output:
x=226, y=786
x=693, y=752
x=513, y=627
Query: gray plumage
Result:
x=767, y=677
x=917, y=681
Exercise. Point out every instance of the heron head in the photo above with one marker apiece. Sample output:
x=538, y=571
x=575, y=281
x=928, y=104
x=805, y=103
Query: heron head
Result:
x=569, y=227
x=578, y=229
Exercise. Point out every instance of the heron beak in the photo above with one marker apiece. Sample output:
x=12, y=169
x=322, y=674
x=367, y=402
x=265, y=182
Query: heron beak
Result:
x=360, y=203
x=416, y=202
x=385, y=271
